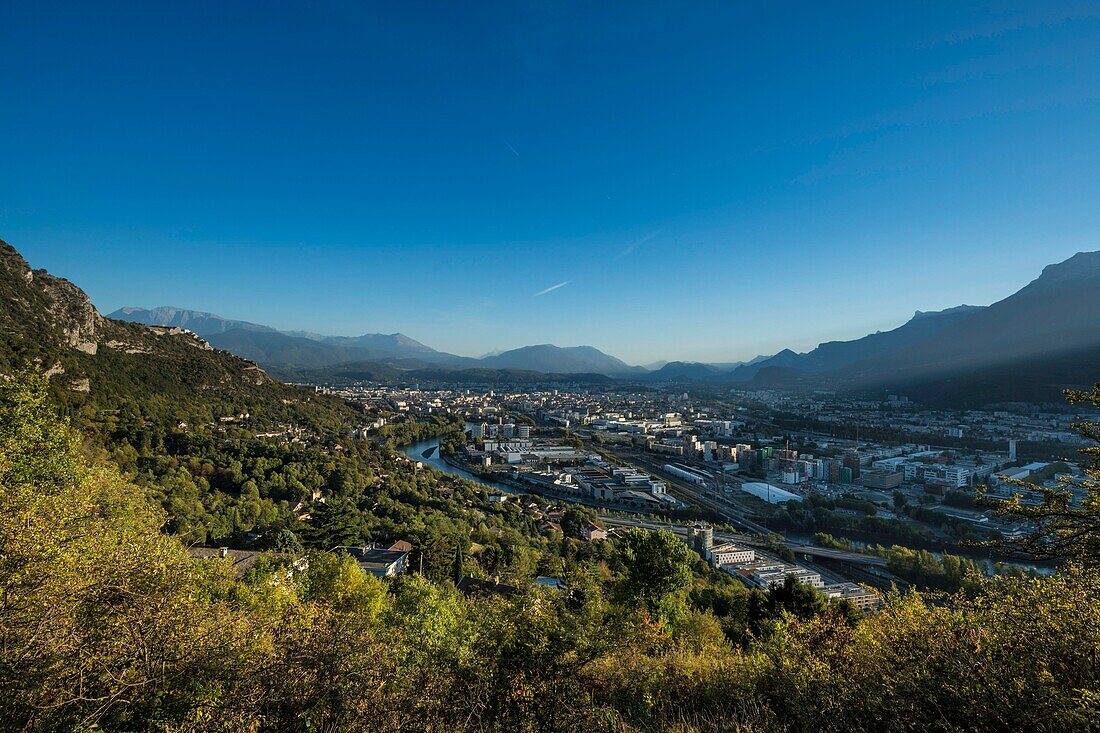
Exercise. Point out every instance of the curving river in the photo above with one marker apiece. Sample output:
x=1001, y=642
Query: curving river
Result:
x=430, y=447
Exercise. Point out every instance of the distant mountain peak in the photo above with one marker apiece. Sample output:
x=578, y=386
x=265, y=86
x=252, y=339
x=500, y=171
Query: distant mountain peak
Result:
x=689, y=370
x=200, y=322
x=555, y=359
x=391, y=342
x=406, y=340
x=959, y=309
x=1081, y=266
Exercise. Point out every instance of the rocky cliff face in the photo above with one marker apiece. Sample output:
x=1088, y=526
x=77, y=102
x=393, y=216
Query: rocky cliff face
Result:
x=48, y=320
x=74, y=315
x=66, y=309
x=54, y=301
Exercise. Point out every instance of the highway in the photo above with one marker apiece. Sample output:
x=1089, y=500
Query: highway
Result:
x=721, y=507
x=799, y=548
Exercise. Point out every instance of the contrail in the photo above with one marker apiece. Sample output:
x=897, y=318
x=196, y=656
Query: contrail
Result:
x=510, y=147
x=551, y=289
x=633, y=246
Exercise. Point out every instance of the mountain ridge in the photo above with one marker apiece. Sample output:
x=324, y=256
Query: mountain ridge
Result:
x=287, y=351
x=95, y=362
x=832, y=355
x=1034, y=343
x=282, y=350
x=1056, y=313
x=550, y=358
x=199, y=322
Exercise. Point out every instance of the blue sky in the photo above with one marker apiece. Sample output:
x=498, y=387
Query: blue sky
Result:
x=702, y=181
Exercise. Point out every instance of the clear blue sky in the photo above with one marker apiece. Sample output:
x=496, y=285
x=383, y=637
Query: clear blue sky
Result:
x=711, y=180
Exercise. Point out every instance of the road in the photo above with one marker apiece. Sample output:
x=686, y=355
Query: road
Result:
x=798, y=548
x=722, y=507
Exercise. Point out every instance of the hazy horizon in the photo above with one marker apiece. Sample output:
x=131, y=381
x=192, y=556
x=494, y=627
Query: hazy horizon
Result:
x=703, y=183
x=494, y=352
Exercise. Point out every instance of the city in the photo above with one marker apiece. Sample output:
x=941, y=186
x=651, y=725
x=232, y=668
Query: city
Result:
x=540, y=367
x=738, y=462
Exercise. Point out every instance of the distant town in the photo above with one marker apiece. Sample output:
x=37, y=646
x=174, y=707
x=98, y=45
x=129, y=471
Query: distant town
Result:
x=764, y=484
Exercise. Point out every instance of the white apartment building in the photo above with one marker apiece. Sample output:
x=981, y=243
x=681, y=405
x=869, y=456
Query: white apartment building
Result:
x=730, y=554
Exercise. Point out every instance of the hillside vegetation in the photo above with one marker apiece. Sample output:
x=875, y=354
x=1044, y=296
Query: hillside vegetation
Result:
x=121, y=445
x=106, y=623
x=98, y=365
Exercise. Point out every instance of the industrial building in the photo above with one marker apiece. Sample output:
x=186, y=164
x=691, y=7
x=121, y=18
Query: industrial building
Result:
x=769, y=493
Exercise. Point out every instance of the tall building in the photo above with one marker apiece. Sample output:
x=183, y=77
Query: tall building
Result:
x=691, y=446
x=702, y=538
x=851, y=460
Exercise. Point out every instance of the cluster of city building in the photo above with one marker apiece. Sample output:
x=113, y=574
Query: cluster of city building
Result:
x=761, y=570
x=528, y=459
x=641, y=450
x=1024, y=422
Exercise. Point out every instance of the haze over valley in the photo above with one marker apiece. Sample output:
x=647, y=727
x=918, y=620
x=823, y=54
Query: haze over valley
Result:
x=1028, y=346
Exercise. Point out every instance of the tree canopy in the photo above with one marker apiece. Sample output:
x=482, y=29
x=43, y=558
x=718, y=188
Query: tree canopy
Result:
x=1063, y=527
x=106, y=623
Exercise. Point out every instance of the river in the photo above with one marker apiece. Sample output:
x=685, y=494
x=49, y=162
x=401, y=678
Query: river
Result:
x=416, y=452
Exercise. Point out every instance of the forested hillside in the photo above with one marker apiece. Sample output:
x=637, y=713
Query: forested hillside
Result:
x=98, y=365
x=107, y=624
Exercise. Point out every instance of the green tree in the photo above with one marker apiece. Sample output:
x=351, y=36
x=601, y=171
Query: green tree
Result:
x=798, y=599
x=574, y=518
x=657, y=568
x=337, y=581
x=104, y=622
x=336, y=522
x=459, y=568
x=284, y=541
x=1062, y=528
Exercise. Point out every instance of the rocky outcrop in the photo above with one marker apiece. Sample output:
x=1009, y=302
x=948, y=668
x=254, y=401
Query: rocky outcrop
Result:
x=126, y=347
x=71, y=311
x=77, y=347
x=193, y=339
x=67, y=307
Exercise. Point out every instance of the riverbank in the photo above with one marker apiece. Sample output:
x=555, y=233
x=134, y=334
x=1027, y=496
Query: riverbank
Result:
x=427, y=451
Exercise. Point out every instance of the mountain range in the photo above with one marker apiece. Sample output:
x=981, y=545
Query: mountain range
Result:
x=1026, y=347
x=285, y=352
x=834, y=355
